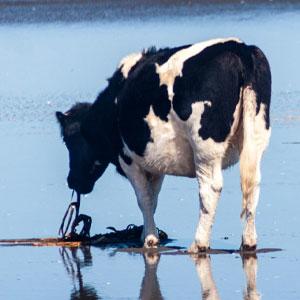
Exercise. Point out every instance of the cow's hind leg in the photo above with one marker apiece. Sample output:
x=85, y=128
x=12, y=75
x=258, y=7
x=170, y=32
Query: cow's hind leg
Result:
x=250, y=183
x=210, y=181
x=255, y=141
x=147, y=187
x=250, y=201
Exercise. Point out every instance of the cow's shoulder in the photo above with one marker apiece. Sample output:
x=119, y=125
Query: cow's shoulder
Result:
x=142, y=91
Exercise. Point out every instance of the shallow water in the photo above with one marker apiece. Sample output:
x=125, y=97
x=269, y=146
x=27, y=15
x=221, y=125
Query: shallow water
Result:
x=48, y=63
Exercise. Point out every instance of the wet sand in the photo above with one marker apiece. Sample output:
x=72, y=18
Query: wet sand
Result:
x=53, y=55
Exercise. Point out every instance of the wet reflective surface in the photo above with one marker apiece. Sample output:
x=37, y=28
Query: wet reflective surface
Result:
x=92, y=273
x=49, y=62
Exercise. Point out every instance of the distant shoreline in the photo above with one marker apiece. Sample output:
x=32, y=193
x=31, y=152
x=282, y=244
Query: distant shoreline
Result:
x=49, y=11
x=146, y=2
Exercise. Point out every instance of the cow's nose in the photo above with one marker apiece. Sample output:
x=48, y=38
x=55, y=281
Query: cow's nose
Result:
x=73, y=182
x=79, y=185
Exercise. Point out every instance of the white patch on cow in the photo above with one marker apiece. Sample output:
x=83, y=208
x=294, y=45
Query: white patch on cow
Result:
x=128, y=62
x=261, y=134
x=173, y=67
x=171, y=152
x=208, y=103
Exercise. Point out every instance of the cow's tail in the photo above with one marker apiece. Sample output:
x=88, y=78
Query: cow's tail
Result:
x=248, y=157
x=256, y=96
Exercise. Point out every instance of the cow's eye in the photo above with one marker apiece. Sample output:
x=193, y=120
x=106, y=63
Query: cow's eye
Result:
x=97, y=163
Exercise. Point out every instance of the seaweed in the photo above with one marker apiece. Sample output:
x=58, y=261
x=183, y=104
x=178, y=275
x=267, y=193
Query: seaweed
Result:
x=128, y=237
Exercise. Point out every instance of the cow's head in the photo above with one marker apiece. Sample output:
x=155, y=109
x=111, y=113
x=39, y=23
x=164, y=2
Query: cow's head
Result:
x=85, y=168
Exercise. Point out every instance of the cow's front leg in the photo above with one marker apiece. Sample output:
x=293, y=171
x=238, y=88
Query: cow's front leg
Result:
x=154, y=187
x=147, y=206
x=210, y=185
x=146, y=187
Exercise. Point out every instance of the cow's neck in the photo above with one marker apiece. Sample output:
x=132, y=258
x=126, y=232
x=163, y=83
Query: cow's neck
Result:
x=101, y=126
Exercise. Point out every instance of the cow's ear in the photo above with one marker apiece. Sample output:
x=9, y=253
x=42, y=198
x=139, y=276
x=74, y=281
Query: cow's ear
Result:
x=61, y=117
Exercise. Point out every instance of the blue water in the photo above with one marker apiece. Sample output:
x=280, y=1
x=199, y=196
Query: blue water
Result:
x=47, y=67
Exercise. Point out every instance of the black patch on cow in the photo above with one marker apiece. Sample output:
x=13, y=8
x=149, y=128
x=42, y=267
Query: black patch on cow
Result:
x=216, y=74
x=139, y=94
x=213, y=75
x=261, y=81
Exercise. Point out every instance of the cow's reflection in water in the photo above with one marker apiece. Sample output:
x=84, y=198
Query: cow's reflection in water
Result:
x=250, y=269
x=150, y=288
x=76, y=258
x=208, y=286
x=73, y=264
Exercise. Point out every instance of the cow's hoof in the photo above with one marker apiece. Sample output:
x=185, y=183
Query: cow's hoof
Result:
x=151, y=241
x=198, y=249
x=248, y=248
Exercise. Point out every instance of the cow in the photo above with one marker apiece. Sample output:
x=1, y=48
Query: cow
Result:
x=187, y=111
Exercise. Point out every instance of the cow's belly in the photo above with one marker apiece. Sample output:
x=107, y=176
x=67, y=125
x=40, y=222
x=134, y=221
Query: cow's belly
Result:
x=169, y=156
x=169, y=152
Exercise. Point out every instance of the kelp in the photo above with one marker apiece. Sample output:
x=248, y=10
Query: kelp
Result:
x=128, y=237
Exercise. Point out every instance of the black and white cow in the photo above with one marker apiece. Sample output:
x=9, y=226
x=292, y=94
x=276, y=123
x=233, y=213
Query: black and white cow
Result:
x=188, y=111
